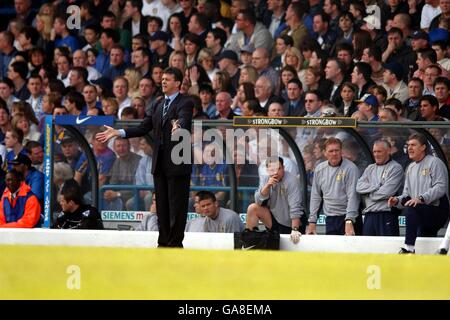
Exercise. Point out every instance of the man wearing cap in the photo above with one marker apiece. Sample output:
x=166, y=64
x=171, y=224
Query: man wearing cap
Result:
x=393, y=82
x=368, y=105
x=19, y=207
x=229, y=62
x=160, y=49
x=33, y=177
x=419, y=40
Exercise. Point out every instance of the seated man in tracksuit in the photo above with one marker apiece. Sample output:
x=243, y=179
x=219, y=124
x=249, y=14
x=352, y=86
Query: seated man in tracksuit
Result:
x=278, y=201
x=214, y=218
x=424, y=196
x=379, y=182
x=334, y=186
x=76, y=214
x=19, y=207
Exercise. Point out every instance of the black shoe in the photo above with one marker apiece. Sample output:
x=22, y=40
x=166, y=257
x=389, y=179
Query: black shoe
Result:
x=404, y=251
x=442, y=251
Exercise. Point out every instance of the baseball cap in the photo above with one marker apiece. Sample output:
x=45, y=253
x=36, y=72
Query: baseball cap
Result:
x=370, y=99
x=396, y=68
x=419, y=35
x=438, y=34
x=159, y=35
x=229, y=54
x=21, y=159
x=67, y=138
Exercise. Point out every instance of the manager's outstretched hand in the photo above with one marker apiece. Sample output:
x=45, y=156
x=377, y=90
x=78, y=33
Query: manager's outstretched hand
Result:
x=107, y=134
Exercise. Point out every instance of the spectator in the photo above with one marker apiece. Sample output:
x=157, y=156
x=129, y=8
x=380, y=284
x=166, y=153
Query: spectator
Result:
x=215, y=40
x=334, y=185
x=424, y=196
x=335, y=72
x=445, y=14
x=442, y=91
x=122, y=172
x=249, y=28
x=264, y=92
x=228, y=61
x=429, y=109
x=278, y=201
x=80, y=60
x=348, y=95
x=214, y=218
x=283, y=45
x=396, y=106
x=295, y=105
x=372, y=56
x=144, y=177
x=17, y=73
x=199, y=25
x=120, y=90
x=398, y=52
x=206, y=94
x=91, y=38
x=425, y=58
x=7, y=52
x=36, y=154
x=74, y=103
x=431, y=73
x=7, y=92
x=379, y=182
x=387, y=114
x=251, y=108
x=22, y=122
x=361, y=77
x=429, y=11
x=412, y=104
x=136, y=23
x=160, y=50
x=323, y=34
x=223, y=106
x=33, y=178
x=142, y=58
x=13, y=141
x=192, y=45
x=19, y=207
x=64, y=36
x=296, y=28
x=248, y=74
x=393, y=82
x=261, y=62
x=368, y=105
x=35, y=88
x=440, y=47
x=75, y=214
x=64, y=64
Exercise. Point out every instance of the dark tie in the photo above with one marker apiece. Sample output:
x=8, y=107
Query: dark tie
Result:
x=166, y=107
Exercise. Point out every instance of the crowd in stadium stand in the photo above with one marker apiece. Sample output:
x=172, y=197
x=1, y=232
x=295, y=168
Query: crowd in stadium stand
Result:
x=371, y=60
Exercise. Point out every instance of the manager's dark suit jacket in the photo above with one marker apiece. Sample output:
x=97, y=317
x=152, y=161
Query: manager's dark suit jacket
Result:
x=180, y=109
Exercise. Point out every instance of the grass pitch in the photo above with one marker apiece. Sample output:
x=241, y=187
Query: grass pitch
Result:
x=46, y=272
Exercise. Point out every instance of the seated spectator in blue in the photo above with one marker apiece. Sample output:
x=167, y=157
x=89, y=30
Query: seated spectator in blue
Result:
x=108, y=38
x=13, y=141
x=19, y=207
x=75, y=214
x=33, y=177
x=117, y=64
x=64, y=36
x=215, y=218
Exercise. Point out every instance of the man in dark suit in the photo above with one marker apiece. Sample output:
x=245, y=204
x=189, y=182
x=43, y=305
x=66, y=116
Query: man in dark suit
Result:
x=172, y=181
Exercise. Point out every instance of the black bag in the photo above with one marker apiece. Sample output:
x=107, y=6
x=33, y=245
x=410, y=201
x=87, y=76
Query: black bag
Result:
x=263, y=240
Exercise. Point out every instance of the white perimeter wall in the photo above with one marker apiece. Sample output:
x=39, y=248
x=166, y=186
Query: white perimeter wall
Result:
x=194, y=240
